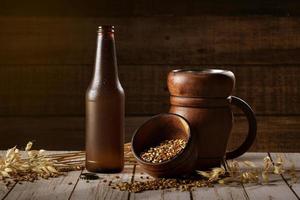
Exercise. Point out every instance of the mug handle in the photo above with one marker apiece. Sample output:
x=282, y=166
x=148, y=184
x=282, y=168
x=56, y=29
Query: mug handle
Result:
x=241, y=104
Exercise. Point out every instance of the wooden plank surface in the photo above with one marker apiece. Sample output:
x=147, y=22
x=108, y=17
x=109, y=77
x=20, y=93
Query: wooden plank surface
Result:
x=41, y=90
x=290, y=159
x=165, y=194
x=180, y=40
x=277, y=189
x=145, y=8
x=99, y=189
x=64, y=133
x=60, y=188
x=139, y=175
x=54, y=188
x=40, y=189
x=4, y=190
x=274, y=133
x=220, y=192
x=236, y=191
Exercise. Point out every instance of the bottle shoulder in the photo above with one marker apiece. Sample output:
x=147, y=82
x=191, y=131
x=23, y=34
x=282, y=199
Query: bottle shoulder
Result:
x=95, y=92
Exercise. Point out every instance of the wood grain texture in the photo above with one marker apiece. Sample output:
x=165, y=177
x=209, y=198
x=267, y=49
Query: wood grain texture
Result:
x=67, y=133
x=59, y=188
x=4, y=190
x=64, y=133
x=139, y=175
x=145, y=8
x=220, y=192
x=97, y=189
x=165, y=40
x=277, y=189
x=273, y=134
x=167, y=194
x=42, y=90
x=46, y=62
x=290, y=159
x=54, y=188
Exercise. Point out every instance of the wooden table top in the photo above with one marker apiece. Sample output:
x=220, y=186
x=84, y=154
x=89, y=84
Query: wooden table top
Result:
x=73, y=187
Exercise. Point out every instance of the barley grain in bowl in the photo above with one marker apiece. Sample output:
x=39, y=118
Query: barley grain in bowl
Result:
x=166, y=150
x=164, y=146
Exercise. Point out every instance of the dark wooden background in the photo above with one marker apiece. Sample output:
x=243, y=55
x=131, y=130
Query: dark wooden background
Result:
x=47, y=53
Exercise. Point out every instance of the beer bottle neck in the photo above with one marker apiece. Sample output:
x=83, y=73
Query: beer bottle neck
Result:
x=106, y=63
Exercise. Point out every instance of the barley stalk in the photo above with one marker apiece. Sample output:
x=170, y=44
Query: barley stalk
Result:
x=36, y=164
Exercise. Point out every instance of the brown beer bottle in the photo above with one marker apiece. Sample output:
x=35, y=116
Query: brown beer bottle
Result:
x=105, y=109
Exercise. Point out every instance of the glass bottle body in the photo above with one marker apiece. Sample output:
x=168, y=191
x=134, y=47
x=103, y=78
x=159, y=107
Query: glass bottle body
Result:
x=105, y=110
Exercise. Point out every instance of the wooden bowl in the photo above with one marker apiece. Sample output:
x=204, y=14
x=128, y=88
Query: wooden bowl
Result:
x=158, y=129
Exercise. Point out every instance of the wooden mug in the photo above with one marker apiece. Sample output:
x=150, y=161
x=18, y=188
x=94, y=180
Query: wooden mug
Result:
x=204, y=98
